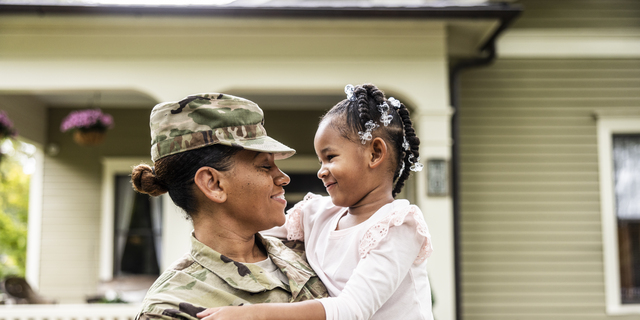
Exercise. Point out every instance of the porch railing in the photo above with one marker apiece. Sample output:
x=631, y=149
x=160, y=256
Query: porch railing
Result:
x=69, y=312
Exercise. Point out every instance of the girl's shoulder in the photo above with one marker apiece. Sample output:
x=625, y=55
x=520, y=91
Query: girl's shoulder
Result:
x=311, y=203
x=400, y=214
x=304, y=213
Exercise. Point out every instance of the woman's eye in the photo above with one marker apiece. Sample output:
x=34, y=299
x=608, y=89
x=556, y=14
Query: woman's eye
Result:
x=267, y=167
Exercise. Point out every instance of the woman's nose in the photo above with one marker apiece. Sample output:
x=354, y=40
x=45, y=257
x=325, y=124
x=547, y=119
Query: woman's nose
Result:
x=282, y=179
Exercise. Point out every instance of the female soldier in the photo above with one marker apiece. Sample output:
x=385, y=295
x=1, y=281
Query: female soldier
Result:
x=212, y=154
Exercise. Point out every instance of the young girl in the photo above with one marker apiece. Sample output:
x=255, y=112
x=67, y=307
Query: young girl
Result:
x=367, y=248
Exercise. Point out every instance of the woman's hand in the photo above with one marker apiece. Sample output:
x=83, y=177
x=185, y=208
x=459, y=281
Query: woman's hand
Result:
x=228, y=313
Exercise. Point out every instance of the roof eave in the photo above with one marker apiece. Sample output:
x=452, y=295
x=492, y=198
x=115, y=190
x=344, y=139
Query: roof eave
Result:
x=490, y=11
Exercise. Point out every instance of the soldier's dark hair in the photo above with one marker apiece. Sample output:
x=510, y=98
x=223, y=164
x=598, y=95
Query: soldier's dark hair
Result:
x=175, y=173
x=349, y=118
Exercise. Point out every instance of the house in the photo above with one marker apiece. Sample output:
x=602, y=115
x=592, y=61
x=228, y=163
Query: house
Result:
x=516, y=110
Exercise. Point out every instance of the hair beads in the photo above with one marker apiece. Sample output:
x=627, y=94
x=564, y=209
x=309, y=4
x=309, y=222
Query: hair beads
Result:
x=367, y=136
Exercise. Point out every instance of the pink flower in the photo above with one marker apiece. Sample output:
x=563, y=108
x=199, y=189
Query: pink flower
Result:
x=6, y=126
x=89, y=119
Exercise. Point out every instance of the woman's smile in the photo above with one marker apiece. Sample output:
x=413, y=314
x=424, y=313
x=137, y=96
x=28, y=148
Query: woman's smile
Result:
x=280, y=198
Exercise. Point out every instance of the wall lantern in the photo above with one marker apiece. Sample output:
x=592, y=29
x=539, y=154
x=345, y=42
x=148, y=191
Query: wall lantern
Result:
x=437, y=178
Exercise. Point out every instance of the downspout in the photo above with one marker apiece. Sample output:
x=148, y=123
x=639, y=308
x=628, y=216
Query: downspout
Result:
x=487, y=55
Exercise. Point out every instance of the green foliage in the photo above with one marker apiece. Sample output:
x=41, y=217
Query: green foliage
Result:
x=14, y=208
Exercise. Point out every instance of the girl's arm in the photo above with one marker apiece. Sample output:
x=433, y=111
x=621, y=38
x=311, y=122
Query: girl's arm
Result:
x=373, y=282
x=310, y=309
x=277, y=232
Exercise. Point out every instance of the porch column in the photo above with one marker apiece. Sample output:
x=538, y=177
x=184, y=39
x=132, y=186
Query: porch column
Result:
x=432, y=120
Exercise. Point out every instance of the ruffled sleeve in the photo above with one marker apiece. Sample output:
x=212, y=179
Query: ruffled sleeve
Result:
x=294, y=224
x=379, y=231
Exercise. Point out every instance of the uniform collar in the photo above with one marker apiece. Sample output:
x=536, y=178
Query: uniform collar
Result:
x=245, y=277
x=250, y=277
x=289, y=262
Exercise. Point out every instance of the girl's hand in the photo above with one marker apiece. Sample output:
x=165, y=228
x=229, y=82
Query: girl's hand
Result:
x=226, y=313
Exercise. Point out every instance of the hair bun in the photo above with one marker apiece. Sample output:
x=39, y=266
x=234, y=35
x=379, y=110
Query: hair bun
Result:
x=144, y=181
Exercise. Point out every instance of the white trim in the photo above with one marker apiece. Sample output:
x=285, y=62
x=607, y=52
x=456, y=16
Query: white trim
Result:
x=34, y=235
x=570, y=43
x=609, y=124
x=111, y=167
x=115, y=311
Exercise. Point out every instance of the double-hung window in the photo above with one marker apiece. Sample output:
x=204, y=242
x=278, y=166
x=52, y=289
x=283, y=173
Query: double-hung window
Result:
x=619, y=164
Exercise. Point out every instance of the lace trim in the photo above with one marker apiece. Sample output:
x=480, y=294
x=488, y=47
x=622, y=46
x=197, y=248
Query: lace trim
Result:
x=377, y=232
x=295, y=229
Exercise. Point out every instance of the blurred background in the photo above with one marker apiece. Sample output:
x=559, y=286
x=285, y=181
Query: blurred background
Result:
x=528, y=112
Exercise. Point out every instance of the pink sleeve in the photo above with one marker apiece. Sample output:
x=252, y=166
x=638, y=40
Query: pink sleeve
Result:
x=380, y=230
x=294, y=224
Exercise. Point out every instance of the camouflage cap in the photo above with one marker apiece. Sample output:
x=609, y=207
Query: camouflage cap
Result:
x=206, y=119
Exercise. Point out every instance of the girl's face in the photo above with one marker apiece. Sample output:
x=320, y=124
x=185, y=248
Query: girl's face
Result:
x=255, y=191
x=343, y=165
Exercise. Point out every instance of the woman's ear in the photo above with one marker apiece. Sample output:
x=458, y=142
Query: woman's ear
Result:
x=378, y=151
x=207, y=179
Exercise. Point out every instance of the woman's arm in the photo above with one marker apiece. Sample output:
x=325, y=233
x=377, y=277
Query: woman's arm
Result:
x=310, y=309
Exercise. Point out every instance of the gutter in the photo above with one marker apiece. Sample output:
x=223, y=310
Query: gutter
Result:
x=487, y=55
x=488, y=11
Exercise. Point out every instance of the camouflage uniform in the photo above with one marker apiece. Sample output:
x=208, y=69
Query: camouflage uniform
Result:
x=204, y=278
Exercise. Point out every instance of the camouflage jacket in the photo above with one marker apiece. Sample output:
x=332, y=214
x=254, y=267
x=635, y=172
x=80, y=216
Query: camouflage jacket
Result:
x=204, y=278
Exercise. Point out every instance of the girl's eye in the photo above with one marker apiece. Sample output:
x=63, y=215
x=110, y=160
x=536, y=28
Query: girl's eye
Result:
x=267, y=167
x=330, y=157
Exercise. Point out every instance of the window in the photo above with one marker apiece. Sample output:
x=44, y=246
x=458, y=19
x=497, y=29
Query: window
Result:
x=137, y=231
x=619, y=164
x=626, y=163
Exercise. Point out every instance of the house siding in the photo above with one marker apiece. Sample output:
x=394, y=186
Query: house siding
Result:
x=531, y=242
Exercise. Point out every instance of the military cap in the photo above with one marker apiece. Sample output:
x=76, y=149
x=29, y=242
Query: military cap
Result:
x=206, y=119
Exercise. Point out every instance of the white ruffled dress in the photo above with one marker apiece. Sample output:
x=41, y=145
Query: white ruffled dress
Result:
x=375, y=270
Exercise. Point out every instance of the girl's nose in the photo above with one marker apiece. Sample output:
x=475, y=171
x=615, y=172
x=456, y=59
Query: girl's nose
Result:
x=322, y=172
x=281, y=179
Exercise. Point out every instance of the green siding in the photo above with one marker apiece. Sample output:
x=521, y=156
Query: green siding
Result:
x=530, y=211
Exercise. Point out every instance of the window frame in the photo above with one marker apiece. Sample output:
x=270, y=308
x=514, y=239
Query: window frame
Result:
x=612, y=122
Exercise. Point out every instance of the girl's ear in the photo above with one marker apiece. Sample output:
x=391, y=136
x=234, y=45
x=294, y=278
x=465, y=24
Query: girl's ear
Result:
x=207, y=179
x=379, y=152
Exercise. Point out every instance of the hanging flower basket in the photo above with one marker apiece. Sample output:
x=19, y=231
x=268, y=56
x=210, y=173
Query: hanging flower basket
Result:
x=6, y=129
x=89, y=126
x=89, y=137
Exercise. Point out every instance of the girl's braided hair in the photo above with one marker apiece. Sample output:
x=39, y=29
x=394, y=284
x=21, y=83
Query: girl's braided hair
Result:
x=364, y=108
